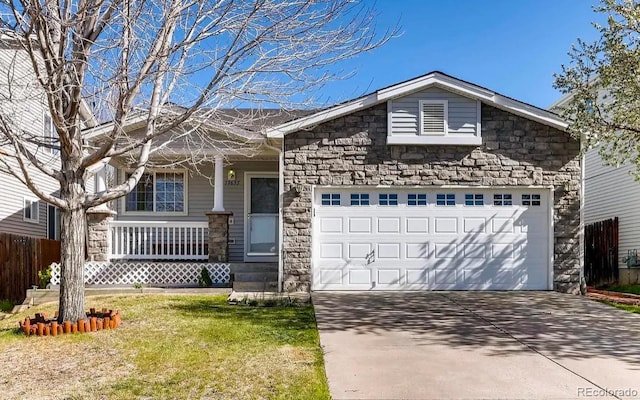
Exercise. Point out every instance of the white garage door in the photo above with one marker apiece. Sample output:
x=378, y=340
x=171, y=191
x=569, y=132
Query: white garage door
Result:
x=445, y=239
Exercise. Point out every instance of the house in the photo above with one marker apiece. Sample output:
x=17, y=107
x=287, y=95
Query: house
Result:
x=431, y=183
x=24, y=106
x=612, y=192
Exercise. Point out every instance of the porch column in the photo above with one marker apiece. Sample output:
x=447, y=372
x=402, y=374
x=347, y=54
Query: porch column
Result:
x=219, y=235
x=218, y=193
x=98, y=233
x=101, y=186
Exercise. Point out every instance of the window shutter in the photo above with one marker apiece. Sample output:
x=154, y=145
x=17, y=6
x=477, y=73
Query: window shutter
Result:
x=433, y=118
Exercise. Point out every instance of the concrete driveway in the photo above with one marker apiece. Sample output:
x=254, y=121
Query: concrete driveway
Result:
x=473, y=345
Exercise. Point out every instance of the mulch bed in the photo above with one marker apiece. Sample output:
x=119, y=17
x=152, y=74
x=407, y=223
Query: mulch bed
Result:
x=40, y=325
x=615, y=297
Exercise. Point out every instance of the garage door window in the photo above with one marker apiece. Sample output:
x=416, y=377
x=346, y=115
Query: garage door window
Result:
x=388, y=199
x=530, y=199
x=415, y=199
x=446, y=199
x=502, y=199
x=331, y=199
x=473, y=199
x=359, y=199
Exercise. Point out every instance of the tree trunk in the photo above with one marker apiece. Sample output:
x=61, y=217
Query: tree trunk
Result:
x=73, y=238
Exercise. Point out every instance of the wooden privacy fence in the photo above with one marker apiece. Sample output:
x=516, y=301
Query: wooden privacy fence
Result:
x=601, y=252
x=21, y=257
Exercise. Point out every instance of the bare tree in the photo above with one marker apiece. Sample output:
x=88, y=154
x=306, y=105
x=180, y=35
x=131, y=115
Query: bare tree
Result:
x=170, y=65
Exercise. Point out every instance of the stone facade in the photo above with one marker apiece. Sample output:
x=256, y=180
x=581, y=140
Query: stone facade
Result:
x=352, y=150
x=98, y=226
x=219, y=235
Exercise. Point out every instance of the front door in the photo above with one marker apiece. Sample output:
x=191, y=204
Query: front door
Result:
x=261, y=242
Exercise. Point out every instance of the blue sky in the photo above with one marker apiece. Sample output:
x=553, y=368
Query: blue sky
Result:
x=510, y=46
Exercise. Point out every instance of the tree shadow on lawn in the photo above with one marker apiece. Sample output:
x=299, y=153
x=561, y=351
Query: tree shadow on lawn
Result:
x=557, y=325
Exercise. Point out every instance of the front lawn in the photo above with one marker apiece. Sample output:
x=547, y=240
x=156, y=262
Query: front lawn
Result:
x=634, y=289
x=177, y=347
x=626, y=307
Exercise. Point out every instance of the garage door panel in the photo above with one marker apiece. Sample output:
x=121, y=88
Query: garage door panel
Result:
x=331, y=251
x=401, y=247
x=389, y=276
x=474, y=225
x=331, y=276
x=389, y=225
x=417, y=250
x=416, y=276
x=446, y=225
x=446, y=276
x=446, y=250
x=502, y=225
x=358, y=251
x=388, y=251
x=417, y=225
x=474, y=250
x=502, y=250
x=359, y=277
x=359, y=225
x=330, y=225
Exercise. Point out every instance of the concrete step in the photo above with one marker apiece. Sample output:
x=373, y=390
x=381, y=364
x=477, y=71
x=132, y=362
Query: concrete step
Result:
x=254, y=267
x=255, y=276
x=269, y=286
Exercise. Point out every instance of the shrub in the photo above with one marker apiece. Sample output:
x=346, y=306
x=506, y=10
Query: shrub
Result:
x=205, y=278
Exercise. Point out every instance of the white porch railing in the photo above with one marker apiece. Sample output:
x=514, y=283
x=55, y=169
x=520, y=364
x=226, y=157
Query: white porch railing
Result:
x=159, y=240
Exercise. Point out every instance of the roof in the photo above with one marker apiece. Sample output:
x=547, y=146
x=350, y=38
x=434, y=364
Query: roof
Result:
x=432, y=79
x=245, y=123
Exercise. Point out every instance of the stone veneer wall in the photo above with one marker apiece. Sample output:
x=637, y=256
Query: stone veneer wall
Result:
x=352, y=150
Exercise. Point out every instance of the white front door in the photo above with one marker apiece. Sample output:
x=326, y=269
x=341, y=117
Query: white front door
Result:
x=369, y=238
x=261, y=206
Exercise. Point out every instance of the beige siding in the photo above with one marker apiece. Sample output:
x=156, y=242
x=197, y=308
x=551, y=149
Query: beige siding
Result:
x=200, y=201
x=463, y=112
x=23, y=106
x=613, y=192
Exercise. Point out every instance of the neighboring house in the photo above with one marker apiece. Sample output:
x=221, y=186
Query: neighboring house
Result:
x=432, y=183
x=21, y=212
x=611, y=192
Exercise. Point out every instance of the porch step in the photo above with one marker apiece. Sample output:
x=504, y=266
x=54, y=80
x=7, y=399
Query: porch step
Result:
x=255, y=276
x=254, y=267
x=267, y=286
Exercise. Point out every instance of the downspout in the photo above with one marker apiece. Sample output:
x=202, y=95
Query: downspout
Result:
x=280, y=210
x=583, y=282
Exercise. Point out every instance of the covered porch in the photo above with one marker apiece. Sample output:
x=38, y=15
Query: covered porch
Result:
x=223, y=217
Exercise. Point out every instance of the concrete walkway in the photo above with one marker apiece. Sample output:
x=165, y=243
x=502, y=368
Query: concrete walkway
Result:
x=471, y=345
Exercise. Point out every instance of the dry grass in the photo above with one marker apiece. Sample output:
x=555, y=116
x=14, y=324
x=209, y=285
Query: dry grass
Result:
x=176, y=347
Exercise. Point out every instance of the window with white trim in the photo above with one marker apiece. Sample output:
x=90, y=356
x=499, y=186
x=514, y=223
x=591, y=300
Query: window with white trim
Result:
x=504, y=199
x=445, y=199
x=433, y=117
x=53, y=222
x=417, y=199
x=385, y=199
x=330, y=199
x=158, y=192
x=359, y=199
x=50, y=135
x=31, y=210
x=530, y=199
x=476, y=199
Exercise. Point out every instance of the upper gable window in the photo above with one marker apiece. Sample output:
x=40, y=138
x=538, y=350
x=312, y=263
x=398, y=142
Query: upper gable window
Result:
x=433, y=117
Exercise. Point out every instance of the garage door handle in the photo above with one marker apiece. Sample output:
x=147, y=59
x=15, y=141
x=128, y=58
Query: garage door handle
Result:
x=371, y=257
